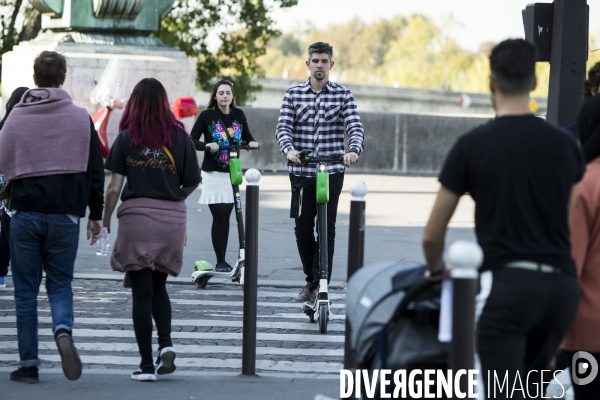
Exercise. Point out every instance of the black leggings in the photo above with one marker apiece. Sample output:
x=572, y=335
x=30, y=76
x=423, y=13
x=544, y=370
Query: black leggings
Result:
x=150, y=299
x=220, y=229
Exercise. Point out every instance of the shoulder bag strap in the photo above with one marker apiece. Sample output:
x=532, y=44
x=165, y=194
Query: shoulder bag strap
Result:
x=220, y=121
x=172, y=162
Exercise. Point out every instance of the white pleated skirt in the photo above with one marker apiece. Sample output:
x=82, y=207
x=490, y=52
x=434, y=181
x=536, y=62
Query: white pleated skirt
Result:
x=216, y=188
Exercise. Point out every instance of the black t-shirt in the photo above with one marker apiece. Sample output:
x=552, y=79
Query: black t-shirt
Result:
x=520, y=171
x=208, y=125
x=149, y=172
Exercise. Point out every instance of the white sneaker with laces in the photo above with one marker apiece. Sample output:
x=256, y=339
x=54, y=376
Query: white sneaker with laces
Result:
x=144, y=375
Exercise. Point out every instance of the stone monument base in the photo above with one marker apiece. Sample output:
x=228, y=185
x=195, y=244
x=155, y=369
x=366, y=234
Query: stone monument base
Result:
x=87, y=56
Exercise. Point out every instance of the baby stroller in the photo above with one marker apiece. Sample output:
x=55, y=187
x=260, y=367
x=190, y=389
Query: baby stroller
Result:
x=393, y=312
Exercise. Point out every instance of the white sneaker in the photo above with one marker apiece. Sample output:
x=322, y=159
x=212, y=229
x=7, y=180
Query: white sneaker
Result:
x=144, y=375
x=2, y=281
x=166, y=361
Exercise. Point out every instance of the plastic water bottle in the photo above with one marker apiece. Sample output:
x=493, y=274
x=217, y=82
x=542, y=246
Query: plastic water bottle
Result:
x=103, y=244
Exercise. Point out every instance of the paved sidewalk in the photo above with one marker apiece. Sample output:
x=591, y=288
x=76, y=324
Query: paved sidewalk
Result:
x=397, y=208
x=108, y=385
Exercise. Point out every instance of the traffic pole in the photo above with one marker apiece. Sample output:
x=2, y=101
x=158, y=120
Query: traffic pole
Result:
x=356, y=249
x=464, y=258
x=250, y=274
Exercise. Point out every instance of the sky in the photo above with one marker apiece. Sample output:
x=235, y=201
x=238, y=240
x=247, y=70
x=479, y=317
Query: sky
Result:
x=481, y=20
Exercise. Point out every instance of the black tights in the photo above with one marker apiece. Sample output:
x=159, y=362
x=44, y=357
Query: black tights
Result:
x=150, y=299
x=220, y=229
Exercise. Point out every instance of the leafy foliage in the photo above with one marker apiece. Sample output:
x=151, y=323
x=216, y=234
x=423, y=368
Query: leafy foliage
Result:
x=409, y=52
x=242, y=27
x=10, y=10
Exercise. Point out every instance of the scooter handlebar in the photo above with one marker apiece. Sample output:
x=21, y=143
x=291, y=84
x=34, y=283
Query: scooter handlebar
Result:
x=306, y=158
x=241, y=146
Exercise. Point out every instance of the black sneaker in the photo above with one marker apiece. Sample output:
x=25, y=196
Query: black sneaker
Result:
x=223, y=268
x=71, y=363
x=145, y=374
x=165, y=364
x=25, y=374
x=304, y=294
x=313, y=295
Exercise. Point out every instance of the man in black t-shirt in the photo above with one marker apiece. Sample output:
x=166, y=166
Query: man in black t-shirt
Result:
x=521, y=171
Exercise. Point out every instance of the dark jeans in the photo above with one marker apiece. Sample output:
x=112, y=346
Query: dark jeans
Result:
x=522, y=323
x=4, y=246
x=50, y=240
x=305, y=225
x=591, y=391
x=150, y=299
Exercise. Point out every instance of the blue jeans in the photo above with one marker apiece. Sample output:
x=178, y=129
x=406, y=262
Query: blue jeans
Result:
x=49, y=241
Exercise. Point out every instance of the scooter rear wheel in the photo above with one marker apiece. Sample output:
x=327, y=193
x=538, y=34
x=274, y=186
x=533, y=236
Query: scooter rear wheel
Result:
x=202, y=281
x=323, y=317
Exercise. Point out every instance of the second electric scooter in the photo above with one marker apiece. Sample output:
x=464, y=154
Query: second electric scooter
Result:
x=321, y=305
x=203, y=269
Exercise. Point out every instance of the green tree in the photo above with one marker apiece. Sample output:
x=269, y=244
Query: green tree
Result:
x=243, y=28
x=10, y=32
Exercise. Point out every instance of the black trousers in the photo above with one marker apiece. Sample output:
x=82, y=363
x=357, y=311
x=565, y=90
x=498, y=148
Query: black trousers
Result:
x=4, y=247
x=305, y=225
x=522, y=323
x=150, y=299
x=591, y=391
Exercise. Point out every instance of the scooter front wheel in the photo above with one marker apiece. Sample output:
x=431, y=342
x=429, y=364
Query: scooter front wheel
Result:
x=202, y=281
x=323, y=317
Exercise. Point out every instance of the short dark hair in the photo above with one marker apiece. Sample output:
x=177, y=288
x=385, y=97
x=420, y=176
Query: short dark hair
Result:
x=50, y=69
x=512, y=63
x=320, y=48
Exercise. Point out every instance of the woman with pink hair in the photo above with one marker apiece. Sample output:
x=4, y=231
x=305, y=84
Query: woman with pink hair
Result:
x=159, y=160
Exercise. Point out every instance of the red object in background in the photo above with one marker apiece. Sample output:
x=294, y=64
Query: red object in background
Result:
x=100, y=122
x=185, y=107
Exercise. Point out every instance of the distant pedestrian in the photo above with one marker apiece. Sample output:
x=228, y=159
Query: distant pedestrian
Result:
x=50, y=153
x=221, y=124
x=585, y=239
x=5, y=213
x=522, y=173
x=316, y=115
x=158, y=158
x=591, y=87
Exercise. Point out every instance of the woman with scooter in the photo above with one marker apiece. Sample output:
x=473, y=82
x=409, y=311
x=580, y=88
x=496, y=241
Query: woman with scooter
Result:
x=221, y=124
x=159, y=160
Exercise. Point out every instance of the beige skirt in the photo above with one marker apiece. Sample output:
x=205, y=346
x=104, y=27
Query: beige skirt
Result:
x=216, y=188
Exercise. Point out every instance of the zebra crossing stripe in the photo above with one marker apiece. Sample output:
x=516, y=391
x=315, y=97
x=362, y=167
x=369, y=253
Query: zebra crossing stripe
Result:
x=216, y=292
x=200, y=322
x=184, y=349
x=265, y=365
x=261, y=336
x=214, y=303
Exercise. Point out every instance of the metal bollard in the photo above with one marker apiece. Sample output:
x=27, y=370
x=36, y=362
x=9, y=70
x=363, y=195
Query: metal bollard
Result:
x=464, y=258
x=356, y=248
x=250, y=274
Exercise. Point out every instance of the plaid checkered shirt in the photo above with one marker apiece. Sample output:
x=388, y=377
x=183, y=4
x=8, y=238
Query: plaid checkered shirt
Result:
x=316, y=121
